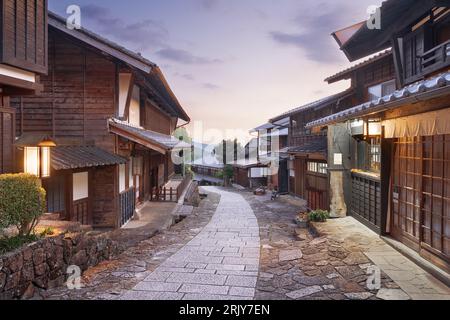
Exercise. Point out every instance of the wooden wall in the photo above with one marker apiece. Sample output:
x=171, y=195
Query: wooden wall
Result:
x=78, y=96
x=6, y=136
x=156, y=120
x=104, y=196
x=24, y=34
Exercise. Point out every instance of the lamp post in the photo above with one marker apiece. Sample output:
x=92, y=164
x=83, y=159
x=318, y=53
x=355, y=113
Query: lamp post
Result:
x=37, y=159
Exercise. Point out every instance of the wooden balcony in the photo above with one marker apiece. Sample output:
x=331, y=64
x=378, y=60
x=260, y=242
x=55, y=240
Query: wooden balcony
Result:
x=430, y=62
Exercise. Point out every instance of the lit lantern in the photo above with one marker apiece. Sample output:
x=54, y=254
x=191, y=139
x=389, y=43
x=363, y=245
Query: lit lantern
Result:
x=37, y=159
x=373, y=128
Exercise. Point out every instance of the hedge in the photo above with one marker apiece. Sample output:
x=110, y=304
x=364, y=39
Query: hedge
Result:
x=22, y=202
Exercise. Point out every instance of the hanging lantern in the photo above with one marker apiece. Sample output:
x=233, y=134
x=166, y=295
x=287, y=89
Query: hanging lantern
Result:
x=37, y=159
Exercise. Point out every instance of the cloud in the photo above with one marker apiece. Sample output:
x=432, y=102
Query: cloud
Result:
x=186, y=76
x=185, y=57
x=210, y=86
x=315, y=23
x=141, y=34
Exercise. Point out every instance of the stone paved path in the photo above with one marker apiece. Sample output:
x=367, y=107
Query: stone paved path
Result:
x=220, y=263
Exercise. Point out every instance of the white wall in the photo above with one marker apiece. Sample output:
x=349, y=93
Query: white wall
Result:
x=124, y=86
x=135, y=113
x=122, y=177
x=80, y=186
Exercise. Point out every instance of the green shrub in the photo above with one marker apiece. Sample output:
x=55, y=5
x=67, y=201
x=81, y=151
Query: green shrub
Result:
x=319, y=216
x=22, y=202
x=13, y=243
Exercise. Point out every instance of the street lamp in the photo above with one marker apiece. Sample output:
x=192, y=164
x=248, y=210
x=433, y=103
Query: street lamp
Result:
x=37, y=159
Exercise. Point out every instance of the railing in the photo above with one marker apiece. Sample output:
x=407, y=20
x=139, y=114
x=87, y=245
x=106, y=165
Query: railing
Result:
x=170, y=194
x=366, y=199
x=431, y=61
x=127, y=202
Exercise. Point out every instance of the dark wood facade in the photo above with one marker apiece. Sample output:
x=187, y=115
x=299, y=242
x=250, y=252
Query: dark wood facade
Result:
x=24, y=34
x=407, y=196
x=81, y=94
x=23, y=57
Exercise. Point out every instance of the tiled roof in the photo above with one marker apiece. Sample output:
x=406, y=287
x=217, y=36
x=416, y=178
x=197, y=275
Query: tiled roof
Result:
x=386, y=102
x=316, y=104
x=343, y=74
x=318, y=146
x=75, y=157
x=160, y=140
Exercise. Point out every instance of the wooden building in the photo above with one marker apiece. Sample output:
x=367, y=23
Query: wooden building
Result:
x=112, y=115
x=23, y=59
x=402, y=137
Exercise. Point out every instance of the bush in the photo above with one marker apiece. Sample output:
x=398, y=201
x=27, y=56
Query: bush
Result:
x=22, y=202
x=13, y=243
x=319, y=216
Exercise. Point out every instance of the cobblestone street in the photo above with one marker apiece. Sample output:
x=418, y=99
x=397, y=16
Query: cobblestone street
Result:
x=240, y=246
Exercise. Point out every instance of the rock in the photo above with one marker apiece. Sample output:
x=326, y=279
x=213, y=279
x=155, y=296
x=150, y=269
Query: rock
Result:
x=41, y=269
x=79, y=259
x=318, y=241
x=27, y=254
x=316, y=257
x=356, y=258
x=350, y=272
x=12, y=281
x=14, y=262
x=321, y=263
x=337, y=252
x=265, y=275
x=27, y=272
x=329, y=287
x=333, y=276
x=29, y=292
x=2, y=280
x=311, y=281
x=38, y=256
x=392, y=294
x=308, y=291
x=289, y=255
x=358, y=295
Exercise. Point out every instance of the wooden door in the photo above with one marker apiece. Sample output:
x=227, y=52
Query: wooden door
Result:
x=421, y=194
x=317, y=191
x=300, y=169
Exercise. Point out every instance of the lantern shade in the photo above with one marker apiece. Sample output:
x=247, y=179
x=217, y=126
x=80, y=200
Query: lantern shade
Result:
x=45, y=161
x=32, y=160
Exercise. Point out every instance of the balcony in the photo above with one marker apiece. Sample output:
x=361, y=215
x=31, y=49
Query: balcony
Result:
x=428, y=63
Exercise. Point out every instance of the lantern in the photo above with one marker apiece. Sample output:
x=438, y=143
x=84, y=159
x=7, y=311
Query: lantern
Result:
x=37, y=159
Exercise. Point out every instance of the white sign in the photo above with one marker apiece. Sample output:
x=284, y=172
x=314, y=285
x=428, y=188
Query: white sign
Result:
x=338, y=159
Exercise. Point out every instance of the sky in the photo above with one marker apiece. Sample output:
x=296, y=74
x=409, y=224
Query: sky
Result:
x=233, y=64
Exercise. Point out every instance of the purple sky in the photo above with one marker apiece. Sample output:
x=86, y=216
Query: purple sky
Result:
x=233, y=64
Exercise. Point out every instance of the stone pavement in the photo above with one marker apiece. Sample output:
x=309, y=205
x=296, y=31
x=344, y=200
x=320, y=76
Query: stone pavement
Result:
x=297, y=265
x=413, y=280
x=220, y=263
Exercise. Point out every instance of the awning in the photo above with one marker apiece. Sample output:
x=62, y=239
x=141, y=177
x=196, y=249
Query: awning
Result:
x=425, y=124
x=153, y=140
x=425, y=89
x=75, y=157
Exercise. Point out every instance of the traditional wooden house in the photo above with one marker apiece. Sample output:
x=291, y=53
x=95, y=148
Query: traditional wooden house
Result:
x=395, y=149
x=23, y=58
x=112, y=115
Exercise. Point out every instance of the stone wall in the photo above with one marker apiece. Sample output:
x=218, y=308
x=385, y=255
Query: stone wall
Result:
x=44, y=264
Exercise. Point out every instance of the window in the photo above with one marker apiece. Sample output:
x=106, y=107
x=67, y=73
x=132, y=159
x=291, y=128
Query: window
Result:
x=317, y=167
x=375, y=154
x=368, y=154
x=382, y=89
x=80, y=186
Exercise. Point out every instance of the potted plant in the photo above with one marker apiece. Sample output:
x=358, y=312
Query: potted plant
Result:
x=302, y=220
